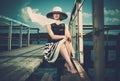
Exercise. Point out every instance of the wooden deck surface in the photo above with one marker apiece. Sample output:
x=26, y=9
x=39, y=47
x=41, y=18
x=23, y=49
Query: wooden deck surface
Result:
x=18, y=64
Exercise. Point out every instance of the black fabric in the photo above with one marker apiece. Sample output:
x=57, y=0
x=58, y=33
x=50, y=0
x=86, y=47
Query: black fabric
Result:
x=57, y=30
x=52, y=47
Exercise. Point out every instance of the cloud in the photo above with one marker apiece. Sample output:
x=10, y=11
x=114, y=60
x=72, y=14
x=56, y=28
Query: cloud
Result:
x=112, y=16
x=69, y=14
x=24, y=15
x=112, y=20
x=87, y=18
x=111, y=12
x=34, y=16
x=87, y=15
x=68, y=19
x=26, y=2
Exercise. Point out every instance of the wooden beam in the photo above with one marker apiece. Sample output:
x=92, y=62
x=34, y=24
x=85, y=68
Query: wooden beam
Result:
x=28, y=41
x=10, y=36
x=80, y=33
x=20, y=37
x=98, y=37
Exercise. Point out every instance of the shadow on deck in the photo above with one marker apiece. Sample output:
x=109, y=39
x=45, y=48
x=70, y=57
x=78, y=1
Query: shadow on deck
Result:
x=19, y=64
x=53, y=72
x=27, y=64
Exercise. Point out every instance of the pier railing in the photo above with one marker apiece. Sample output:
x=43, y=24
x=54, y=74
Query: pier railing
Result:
x=12, y=29
x=76, y=19
x=100, y=36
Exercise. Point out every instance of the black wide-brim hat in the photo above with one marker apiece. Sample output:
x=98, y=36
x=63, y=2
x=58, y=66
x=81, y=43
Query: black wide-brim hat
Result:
x=57, y=10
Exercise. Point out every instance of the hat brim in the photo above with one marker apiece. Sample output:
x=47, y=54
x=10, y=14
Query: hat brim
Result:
x=62, y=15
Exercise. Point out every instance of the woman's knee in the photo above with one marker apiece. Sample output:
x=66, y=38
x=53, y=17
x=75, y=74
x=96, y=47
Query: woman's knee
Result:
x=63, y=49
x=63, y=46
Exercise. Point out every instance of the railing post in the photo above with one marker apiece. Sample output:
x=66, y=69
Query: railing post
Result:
x=10, y=36
x=80, y=33
x=28, y=39
x=21, y=28
x=98, y=37
x=74, y=34
x=38, y=36
x=70, y=28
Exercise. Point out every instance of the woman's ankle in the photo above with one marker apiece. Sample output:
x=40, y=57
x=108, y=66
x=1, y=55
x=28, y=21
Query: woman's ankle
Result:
x=67, y=67
x=73, y=71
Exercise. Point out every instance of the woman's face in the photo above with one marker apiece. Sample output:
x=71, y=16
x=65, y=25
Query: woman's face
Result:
x=56, y=16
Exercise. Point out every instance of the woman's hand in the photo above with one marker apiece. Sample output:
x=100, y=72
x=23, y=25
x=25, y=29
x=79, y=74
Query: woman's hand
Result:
x=73, y=55
x=64, y=37
x=68, y=38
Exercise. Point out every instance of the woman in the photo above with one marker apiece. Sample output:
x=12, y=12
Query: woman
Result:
x=59, y=39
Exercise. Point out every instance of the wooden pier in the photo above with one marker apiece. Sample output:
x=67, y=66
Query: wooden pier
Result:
x=99, y=53
x=22, y=63
x=19, y=64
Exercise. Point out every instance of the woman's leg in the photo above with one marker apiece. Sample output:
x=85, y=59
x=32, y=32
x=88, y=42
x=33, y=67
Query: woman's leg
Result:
x=65, y=54
x=67, y=66
x=70, y=48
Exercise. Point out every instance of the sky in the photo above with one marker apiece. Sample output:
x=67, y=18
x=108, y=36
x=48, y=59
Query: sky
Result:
x=15, y=9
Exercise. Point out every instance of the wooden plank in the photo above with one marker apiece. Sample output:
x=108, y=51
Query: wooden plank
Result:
x=12, y=74
x=71, y=77
x=2, y=59
x=29, y=63
x=21, y=50
x=80, y=70
x=21, y=69
x=18, y=65
x=6, y=69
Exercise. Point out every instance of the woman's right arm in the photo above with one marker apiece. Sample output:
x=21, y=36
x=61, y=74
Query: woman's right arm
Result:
x=52, y=35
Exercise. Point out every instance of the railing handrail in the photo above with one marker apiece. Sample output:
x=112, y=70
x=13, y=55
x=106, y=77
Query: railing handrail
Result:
x=74, y=9
x=13, y=20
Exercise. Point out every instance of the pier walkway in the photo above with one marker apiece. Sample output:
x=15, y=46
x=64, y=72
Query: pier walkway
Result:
x=19, y=64
x=22, y=63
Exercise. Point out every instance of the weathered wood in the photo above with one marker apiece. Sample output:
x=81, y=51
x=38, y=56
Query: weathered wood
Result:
x=98, y=40
x=21, y=51
x=10, y=36
x=80, y=70
x=71, y=77
x=80, y=32
x=47, y=77
x=28, y=37
x=21, y=34
x=19, y=64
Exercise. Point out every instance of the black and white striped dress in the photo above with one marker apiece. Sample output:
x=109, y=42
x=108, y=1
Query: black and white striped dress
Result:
x=52, y=47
